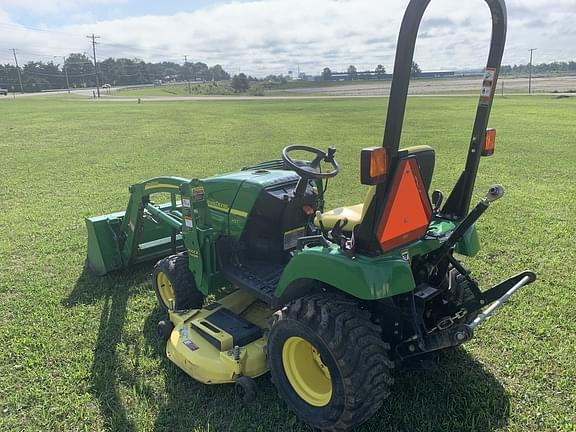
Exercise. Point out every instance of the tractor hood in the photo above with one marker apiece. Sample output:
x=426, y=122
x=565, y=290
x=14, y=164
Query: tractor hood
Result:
x=231, y=197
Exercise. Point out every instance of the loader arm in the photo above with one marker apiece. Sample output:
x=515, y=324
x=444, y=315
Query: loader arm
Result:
x=143, y=232
x=137, y=212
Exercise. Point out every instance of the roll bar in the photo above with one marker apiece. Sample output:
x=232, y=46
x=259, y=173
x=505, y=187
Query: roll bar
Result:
x=459, y=200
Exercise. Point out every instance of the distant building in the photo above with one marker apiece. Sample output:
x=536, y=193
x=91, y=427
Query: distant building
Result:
x=446, y=74
x=371, y=75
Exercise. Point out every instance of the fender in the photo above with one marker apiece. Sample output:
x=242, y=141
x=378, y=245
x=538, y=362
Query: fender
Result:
x=367, y=278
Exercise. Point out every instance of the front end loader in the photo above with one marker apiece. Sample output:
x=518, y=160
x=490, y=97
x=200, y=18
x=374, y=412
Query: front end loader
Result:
x=327, y=301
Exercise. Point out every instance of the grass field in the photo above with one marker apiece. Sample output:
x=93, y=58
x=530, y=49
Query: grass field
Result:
x=80, y=353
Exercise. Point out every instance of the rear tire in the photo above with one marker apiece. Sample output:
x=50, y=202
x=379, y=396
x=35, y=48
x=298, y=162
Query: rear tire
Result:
x=172, y=279
x=328, y=361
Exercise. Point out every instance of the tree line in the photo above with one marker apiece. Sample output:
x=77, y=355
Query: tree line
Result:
x=77, y=71
x=542, y=68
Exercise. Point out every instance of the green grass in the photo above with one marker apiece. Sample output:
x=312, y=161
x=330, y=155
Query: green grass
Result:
x=80, y=352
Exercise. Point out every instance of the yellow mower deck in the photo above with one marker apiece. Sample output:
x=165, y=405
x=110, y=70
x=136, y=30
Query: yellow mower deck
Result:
x=222, y=341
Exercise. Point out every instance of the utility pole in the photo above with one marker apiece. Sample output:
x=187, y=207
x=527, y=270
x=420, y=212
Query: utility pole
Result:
x=186, y=72
x=530, y=71
x=66, y=73
x=95, y=62
x=18, y=70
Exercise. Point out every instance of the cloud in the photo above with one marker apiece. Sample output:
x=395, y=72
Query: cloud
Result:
x=54, y=6
x=273, y=36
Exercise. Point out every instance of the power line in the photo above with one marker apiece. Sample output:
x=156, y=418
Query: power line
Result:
x=93, y=37
x=21, y=27
x=18, y=70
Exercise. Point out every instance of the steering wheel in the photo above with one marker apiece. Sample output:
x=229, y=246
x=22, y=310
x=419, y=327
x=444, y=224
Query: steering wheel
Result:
x=307, y=169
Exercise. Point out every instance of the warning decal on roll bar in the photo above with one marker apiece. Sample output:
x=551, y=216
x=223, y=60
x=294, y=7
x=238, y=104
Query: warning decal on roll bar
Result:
x=487, y=86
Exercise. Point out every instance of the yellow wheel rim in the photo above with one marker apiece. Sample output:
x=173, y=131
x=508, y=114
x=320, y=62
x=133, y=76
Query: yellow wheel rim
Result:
x=165, y=288
x=306, y=372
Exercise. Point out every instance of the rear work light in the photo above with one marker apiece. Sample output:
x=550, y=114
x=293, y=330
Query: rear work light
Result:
x=373, y=165
x=407, y=211
x=489, y=143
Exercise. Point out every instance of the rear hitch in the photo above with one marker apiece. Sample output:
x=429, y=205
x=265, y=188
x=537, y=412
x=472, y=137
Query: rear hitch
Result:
x=456, y=333
x=450, y=337
x=483, y=316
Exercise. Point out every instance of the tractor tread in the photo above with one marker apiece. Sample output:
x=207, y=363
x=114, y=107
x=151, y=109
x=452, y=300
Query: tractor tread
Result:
x=356, y=345
x=182, y=280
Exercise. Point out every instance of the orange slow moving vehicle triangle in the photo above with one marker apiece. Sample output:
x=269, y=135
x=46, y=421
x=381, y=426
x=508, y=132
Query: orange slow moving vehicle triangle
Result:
x=408, y=211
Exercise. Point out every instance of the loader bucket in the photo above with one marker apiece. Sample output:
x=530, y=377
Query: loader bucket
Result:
x=103, y=247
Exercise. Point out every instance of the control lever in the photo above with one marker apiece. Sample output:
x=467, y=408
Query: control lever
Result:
x=338, y=235
x=330, y=154
x=437, y=199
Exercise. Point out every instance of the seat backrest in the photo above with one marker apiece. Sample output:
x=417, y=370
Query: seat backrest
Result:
x=426, y=159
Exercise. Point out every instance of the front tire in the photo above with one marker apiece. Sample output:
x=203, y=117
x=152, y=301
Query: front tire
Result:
x=173, y=281
x=328, y=361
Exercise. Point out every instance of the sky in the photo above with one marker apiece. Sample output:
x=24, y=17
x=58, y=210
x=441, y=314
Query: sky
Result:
x=260, y=37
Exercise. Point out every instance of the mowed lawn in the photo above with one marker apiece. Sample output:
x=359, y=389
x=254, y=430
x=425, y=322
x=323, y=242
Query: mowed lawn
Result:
x=80, y=353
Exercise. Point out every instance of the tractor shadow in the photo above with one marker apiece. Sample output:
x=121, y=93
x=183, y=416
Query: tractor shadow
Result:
x=459, y=394
x=107, y=368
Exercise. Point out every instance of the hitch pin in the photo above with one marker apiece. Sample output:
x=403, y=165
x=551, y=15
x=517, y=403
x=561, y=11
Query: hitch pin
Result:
x=498, y=303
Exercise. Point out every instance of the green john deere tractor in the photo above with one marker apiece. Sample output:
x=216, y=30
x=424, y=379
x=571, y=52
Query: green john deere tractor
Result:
x=327, y=301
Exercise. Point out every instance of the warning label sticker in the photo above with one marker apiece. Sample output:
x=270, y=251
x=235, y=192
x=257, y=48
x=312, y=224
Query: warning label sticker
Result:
x=197, y=193
x=489, y=74
x=189, y=223
x=485, y=91
x=190, y=344
x=488, y=86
